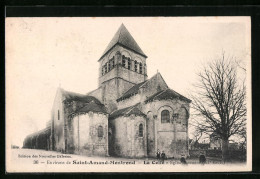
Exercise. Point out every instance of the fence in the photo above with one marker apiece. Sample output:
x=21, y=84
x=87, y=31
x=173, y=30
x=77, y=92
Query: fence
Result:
x=234, y=154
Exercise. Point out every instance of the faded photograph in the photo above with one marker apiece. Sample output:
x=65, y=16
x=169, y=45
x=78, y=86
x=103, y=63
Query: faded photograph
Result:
x=128, y=94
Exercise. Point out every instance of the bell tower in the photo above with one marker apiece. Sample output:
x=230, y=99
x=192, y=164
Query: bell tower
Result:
x=122, y=65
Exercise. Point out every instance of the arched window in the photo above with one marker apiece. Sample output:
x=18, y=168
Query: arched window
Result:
x=165, y=116
x=135, y=66
x=123, y=61
x=109, y=65
x=141, y=68
x=100, y=131
x=113, y=62
x=105, y=67
x=129, y=64
x=141, y=130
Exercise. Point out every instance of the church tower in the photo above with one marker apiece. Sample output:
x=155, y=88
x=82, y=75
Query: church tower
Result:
x=122, y=65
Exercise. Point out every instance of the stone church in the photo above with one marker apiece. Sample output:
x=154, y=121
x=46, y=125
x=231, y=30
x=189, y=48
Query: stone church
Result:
x=128, y=115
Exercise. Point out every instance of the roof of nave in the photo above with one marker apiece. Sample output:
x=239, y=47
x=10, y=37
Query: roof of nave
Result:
x=131, y=91
x=92, y=106
x=71, y=96
x=134, y=90
x=90, y=102
x=127, y=112
x=124, y=38
x=40, y=132
x=167, y=94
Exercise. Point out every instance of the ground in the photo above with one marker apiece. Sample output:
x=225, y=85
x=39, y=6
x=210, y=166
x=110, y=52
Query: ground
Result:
x=30, y=160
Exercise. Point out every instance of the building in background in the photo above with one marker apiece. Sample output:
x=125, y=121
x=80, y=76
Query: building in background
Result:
x=215, y=142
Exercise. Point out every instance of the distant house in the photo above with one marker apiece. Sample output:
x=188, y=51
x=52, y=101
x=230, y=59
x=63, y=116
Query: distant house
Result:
x=215, y=142
x=196, y=145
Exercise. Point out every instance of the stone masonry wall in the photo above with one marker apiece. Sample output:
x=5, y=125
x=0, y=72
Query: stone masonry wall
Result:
x=85, y=134
x=70, y=107
x=172, y=138
x=110, y=92
x=57, y=126
x=138, y=144
x=125, y=140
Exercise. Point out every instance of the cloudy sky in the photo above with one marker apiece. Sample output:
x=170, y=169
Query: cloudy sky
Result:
x=43, y=53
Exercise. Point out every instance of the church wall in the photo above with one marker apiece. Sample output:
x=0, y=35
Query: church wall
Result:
x=151, y=134
x=123, y=86
x=139, y=144
x=166, y=132
x=171, y=137
x=100, y=144
x=108, y=76
x=69, y=108
x=119, y=136
x=182, y=144
x=111, y=138
x=70, y=136
x=112, y=89
x=110, y=94
x=125, y=140
x=129, y=75
x=86, y=134
x=58, y=123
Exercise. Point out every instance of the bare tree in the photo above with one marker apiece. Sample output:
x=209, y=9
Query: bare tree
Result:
x=219, y=101
x=240, y=65
x=243, y=136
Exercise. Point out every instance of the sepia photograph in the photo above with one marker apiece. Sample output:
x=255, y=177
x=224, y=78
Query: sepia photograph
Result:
x=128, y=94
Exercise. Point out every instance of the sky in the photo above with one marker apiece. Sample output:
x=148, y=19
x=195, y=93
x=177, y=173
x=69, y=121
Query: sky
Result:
x=45, y=53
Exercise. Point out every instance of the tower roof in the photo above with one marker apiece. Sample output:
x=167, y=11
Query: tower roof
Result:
x=125, y=39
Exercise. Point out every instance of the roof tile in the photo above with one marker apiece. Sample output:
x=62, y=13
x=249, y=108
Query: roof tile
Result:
x=71, y=96
x=167, y=94
x=92, y=106
x=127, y=112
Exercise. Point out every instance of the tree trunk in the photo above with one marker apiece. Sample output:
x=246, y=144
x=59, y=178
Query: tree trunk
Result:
x=225, y=155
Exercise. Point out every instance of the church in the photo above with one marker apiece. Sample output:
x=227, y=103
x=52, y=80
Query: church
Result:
x=128, y=115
